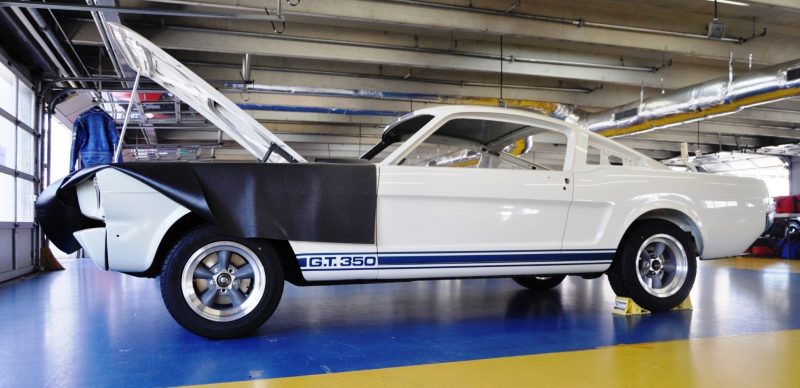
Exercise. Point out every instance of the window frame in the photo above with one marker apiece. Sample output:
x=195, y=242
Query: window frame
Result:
x=438, y=121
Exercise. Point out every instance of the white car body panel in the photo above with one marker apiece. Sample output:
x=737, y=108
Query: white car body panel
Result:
x=422, y=209
x=609, y=199
x=93, y=242
x=137, y=217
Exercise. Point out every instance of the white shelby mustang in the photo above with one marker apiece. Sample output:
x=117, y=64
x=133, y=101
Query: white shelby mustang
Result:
x=448, y=192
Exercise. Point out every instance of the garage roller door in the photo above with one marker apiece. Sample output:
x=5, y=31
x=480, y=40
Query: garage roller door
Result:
x=18, y=167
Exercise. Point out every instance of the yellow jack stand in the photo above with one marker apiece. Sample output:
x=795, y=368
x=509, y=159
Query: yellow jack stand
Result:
x=626, y=306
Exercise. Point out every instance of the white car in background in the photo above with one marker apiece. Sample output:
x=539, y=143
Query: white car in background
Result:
x=449, y=192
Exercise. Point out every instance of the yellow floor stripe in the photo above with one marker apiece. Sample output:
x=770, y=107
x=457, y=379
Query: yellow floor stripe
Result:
x=759, y=360
x=757, y=264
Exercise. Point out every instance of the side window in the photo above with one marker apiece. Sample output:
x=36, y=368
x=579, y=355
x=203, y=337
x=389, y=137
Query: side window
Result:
x=472, y=143
x=442, y=155
x=596, y=154
x=546, y=148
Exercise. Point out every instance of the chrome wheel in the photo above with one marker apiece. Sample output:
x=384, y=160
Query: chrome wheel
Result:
x=662, y=265
x=223, y=281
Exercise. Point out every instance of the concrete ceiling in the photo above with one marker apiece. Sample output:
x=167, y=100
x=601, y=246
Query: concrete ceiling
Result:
x=591, y=53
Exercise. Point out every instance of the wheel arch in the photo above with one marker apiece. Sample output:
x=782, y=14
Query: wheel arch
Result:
x=178, y=228
x=677, y=217
x=189, y=221
x=288, y=260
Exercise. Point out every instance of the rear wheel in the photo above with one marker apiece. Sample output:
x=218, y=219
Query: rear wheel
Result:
x=539, y=283
x=792, y=228
x=220, y=286
x=656, y=266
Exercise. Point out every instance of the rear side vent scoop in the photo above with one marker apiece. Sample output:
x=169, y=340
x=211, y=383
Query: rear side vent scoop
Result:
x=793, y=74
x=626, y=114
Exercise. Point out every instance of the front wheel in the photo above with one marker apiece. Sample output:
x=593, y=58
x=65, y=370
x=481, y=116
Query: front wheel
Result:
x=220, y=286
x=656, y=266
x=539, y=283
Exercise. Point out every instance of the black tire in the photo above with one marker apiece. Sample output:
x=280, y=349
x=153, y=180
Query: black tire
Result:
x=614, y=274
x=539, y=283
x=670, y=274
x=792, y=228
x=193, y=267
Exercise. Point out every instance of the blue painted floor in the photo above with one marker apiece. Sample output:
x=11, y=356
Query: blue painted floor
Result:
x=84, y=326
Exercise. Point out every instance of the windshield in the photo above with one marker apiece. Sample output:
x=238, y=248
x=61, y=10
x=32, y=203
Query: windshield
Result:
x=395, y=133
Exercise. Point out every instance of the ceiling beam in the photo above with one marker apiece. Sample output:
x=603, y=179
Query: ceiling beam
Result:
x=739, y=129
x=769, y=114
x=470, y=21
x=792, y=5
x=271, y=45
x=705, y=138
x=639, y=144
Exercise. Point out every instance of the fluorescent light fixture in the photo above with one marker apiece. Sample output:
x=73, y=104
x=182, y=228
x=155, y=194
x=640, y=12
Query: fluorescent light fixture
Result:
x=739, y=3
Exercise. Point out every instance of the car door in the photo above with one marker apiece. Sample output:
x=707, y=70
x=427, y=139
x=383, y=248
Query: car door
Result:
x=448, y=221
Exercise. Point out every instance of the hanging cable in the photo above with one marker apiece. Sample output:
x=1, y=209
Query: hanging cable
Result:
x=502, y=103
x=715, y=9
x=696, y=153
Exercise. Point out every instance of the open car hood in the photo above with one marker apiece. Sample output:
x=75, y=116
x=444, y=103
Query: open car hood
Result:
x=152, y=62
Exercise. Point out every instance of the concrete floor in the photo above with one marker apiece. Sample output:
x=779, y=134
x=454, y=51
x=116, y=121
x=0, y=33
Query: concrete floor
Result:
x=84, y=326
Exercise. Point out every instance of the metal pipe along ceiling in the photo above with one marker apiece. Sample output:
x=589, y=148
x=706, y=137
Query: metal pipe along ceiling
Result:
x=719, y=97
x=48, y=33
x=399, y=78
x=45, y=48
x=541, y=106
x=38, y=58
x=318, y=109
x=553, y=19
x=141, y=10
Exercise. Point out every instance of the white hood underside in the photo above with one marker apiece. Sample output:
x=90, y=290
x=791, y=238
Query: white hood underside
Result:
x=155, y=64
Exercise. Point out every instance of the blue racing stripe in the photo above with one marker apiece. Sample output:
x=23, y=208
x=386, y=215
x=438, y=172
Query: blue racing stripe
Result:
x=503, y=251
x=478, y=265
x=420, y=260
x=598, y=250
x=413, y=259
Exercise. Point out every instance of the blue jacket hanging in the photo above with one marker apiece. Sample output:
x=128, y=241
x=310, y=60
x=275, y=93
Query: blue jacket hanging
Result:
x=94, y=138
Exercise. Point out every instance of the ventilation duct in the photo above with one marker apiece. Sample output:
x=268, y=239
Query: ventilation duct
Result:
x=714, y=98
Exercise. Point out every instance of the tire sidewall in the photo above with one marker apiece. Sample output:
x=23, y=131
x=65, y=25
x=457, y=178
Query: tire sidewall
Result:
x=178, y=307
x=630, y=273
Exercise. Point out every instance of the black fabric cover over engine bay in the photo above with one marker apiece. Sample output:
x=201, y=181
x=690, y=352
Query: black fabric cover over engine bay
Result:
x=302, y=202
